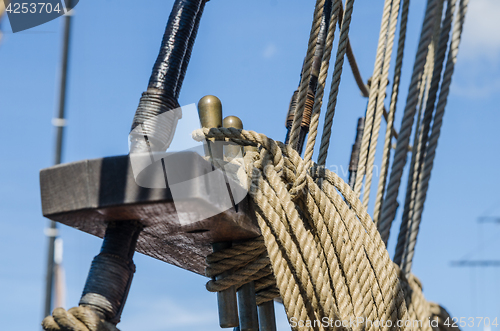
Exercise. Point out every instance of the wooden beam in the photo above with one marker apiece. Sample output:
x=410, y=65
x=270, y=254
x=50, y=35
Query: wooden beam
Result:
x=87, y=194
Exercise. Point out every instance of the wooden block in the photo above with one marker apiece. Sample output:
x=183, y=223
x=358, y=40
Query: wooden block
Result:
x=87, y=194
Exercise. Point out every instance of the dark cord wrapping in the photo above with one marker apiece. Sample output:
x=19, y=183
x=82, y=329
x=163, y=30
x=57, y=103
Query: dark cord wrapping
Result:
x=111, y=272
x=156, y=132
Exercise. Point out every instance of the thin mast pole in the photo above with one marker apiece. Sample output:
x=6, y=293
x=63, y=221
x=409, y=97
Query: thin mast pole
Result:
x=59, y=123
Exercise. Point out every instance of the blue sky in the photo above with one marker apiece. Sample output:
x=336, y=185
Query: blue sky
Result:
x=249, y=54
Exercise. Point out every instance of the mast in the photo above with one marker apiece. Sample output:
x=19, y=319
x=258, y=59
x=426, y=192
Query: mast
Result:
x=59, y=123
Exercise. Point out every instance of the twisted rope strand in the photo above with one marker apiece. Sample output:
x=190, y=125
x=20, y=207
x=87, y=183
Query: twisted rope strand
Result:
x=306, y=72
x=334, y=89
x=323, y=75
x=370, y=140
x=390, y=202
x=392, y=111
x=436, y=131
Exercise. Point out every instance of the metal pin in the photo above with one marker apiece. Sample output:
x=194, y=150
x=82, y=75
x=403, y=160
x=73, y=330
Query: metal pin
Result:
x=226, y=300
x=210, y=113
x=233, y=150
x=267, y=319
x=247, y=307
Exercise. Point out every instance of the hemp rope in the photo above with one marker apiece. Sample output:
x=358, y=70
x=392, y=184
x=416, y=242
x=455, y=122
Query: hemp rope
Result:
x=323, y=75
x=306, y=72
x=307, y=229
x=376, y=99
x=392, y=111
x=334, y=88
x=434, y=137
x=79, y=318
x=390, y=201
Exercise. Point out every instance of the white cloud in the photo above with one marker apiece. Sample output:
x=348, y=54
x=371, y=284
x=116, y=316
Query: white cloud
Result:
x=269, y=51
x=481, y=36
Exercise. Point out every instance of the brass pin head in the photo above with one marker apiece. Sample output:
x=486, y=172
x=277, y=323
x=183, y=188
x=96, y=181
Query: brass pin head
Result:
x=233, y=122
x=210, y=112
x=232, y=151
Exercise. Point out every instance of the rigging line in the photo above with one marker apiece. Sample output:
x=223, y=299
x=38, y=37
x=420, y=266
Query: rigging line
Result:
x=440, y=54
x=415, y=157
x=392, y=110
x=325, y=63
x=334, y=88
x=306, y=73
x=436, y=131
x=389, y=204
x=376, y=100
x=363, y=88
x=480, y=246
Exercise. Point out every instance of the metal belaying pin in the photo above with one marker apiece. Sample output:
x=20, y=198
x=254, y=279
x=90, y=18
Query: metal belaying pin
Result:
x=210, y=113
x=247, y=306
x=232, y=150
x=267, y=319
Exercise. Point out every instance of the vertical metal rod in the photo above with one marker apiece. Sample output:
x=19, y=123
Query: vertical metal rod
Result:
x=210, y=113
x=226, y=300
x=247, y=305
x=247, y=308
x=59, y=124
x=267, y=319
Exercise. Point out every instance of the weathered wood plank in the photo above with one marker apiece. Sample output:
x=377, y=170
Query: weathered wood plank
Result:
x=87, y=194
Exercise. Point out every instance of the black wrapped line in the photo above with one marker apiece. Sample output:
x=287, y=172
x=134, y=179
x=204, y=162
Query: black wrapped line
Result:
x=187, y=55
x=111, y=272
x=168, y=70
x=153, y=128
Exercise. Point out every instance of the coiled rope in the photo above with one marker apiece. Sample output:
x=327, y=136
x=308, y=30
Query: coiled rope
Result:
x=325, y=253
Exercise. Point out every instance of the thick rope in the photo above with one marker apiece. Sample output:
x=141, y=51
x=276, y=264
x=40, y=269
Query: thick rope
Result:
x=390, y=202
x=434, y=137
x=334, y=88
x=392, y=111
x=80, y=318
x=306, y=73
x=326, y=255
x=376, y=99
